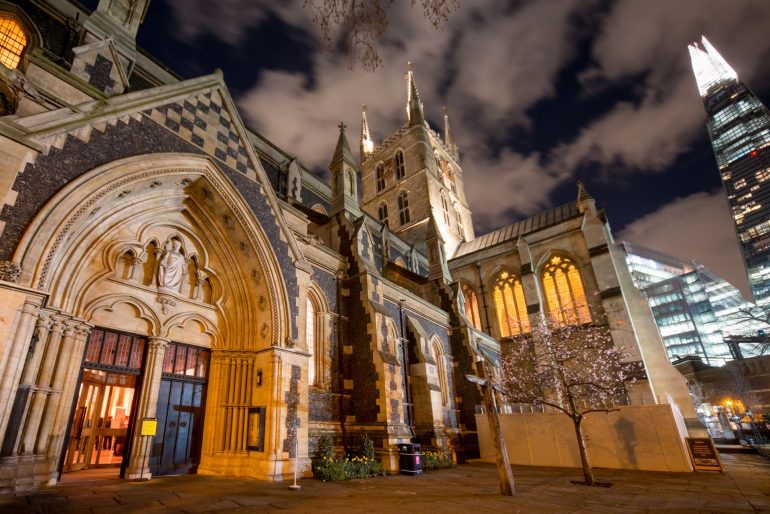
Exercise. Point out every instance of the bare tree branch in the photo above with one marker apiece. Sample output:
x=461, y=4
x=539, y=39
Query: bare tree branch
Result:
x=354, y=26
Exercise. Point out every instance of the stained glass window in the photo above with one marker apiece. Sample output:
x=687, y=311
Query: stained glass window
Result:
x=564, y=292
x=12, y=42
x=471, y=306
x=510, y=305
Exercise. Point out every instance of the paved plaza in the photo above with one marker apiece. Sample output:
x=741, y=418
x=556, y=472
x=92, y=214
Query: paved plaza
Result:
x=745, y=487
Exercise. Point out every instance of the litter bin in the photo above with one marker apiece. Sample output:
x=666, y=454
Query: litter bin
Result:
x=410, y=459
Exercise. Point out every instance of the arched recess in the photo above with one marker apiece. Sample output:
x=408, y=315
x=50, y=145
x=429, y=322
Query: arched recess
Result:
x=441, y=372
x=222, y=287
x=317, y=334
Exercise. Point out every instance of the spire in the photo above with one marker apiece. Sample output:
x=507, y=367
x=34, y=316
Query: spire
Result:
x=342, y=151
x=585, y=200
x=449, y=141
x=413, y=103
x=709, y=67
x=367, y=145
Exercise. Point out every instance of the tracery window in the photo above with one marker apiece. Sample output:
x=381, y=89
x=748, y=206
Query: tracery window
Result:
x=400, y=171
x=510, y=305
x=383, y=213
x=12, y=42
x=564, y=292
x=380, y=174
x=471, y=305
x=403, y=208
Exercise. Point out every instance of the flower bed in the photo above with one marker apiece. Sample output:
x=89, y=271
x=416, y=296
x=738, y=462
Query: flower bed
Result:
x=436, y=459
x=328, y=467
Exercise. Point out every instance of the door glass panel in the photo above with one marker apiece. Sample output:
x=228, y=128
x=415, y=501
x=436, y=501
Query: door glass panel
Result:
x=108, y=348
x=192, y=358
x=168, y=359
x=124, y=349
x=180, y=360
x=137, y=352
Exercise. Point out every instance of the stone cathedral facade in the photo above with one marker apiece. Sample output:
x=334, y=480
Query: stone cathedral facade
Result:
x=178, y=294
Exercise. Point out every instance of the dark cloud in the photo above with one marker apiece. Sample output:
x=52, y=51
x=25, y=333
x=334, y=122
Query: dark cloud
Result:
x=697, y=227
x=492, y=64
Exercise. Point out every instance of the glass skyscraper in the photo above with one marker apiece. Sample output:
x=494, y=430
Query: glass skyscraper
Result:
x=695, y=310
x=739, y=127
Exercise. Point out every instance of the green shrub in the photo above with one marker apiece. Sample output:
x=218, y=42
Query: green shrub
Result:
x=436, y=459
x=328, y=467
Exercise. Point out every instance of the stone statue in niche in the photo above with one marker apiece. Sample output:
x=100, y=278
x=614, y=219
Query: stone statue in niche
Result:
x=172, y=266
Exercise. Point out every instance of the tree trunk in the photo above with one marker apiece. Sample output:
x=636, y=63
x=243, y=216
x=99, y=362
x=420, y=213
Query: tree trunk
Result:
x=587, y=471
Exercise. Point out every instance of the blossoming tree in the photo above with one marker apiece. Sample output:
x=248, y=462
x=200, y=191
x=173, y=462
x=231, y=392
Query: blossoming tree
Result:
x=575, y=369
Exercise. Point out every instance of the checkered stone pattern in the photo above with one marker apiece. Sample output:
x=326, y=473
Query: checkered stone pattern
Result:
x=203, y=121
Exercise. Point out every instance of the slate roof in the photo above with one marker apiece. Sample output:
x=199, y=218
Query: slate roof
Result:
x=538, y=222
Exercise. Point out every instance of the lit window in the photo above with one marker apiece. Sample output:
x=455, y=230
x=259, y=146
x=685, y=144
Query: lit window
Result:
x=380, y=173
x=510, y=305
x=403, y=208
x=12, y=42
x=564, y=292
x=471, y=306
x=310, y=339
x=400, y=172
x=383, y=212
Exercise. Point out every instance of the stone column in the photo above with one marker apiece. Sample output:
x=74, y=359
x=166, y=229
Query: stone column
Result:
x=55, y=398
x=61, y=417
x=44, y=382
x=11, y=365
x=138, y=466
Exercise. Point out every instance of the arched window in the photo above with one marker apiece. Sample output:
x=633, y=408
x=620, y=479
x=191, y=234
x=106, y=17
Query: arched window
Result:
x=400, y=171
x=380, y=175
x=564, y=292
x=311, y=333
x=471, y=305
x=510, y=305
x=445, y=208
x=403, y=208
x=443, y=384
x=383, y=213
x=12, y=42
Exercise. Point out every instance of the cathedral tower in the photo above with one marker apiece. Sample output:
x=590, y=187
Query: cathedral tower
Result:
x=414, y=174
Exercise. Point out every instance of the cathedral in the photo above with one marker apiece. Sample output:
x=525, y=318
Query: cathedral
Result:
x=180, y=295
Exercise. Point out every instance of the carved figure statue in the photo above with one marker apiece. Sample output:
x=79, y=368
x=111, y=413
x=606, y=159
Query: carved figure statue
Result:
x=172, y=266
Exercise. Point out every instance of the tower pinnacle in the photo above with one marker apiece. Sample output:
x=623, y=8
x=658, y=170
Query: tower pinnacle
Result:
x=414, y=110
x=367, y=145
x=449, y=140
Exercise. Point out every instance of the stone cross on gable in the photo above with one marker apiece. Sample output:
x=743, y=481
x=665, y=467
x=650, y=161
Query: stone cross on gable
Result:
x=342, y=126
x=99, y=73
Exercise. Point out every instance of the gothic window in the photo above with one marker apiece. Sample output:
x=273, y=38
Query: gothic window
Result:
x=383, y=212
x=12, y=42
x=510, y=305
x=311, y=333
x=445, y=208
x=458, y=214
x=403, y=208
x=438, y=356
x=564, y=292
x=400, y=172
x=471, y=305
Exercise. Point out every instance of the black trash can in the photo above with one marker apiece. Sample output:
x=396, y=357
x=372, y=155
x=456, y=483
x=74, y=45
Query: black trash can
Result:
x=410, y=458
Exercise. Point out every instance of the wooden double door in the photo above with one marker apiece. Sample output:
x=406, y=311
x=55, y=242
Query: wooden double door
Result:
x=181, y=403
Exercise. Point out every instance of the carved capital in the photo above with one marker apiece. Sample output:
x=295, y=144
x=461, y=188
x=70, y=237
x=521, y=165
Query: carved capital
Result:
x=158, y=343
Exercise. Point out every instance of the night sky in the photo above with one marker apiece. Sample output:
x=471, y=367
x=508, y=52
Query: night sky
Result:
x=540, y=94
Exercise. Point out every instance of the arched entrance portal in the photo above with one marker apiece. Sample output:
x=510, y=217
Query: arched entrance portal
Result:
x=158, y=257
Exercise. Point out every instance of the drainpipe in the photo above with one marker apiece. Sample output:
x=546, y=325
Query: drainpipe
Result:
x=340, y=378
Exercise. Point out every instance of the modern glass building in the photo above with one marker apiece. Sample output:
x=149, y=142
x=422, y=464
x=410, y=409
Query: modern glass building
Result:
x=694, y=309
x=739, y=127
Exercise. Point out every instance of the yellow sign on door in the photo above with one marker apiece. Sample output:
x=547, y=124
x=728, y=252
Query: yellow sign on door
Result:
x=149, y=426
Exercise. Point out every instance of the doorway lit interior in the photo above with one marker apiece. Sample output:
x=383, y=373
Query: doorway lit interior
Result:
x=102, y=417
